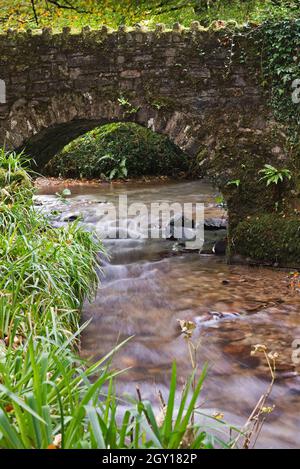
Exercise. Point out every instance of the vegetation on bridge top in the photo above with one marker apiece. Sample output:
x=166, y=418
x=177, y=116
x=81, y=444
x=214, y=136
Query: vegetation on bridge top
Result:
x=78, y=13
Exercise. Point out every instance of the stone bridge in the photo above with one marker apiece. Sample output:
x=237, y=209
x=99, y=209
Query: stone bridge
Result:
x=199, y=87
x=189, y=84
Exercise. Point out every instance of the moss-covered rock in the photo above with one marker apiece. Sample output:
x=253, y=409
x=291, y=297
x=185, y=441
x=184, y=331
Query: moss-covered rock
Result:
x=235, y=164
x=106, y=150
x=268, y=238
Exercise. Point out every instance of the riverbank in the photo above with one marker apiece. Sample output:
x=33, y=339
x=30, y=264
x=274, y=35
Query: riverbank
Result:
x=42, y=182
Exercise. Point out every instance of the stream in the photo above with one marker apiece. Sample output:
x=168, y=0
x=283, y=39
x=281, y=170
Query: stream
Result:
x=148, y=284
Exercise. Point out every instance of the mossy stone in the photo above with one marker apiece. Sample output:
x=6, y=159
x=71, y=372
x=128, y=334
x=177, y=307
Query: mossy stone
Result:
x=268, y=238
x=146, y=153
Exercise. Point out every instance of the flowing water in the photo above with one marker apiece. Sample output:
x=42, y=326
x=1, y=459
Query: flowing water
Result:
x=148, y=284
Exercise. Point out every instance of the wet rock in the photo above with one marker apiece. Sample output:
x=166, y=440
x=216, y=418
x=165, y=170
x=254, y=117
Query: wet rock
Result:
x=93, y=217
x=178, y=227
x=38, y=203
x=72, y=216
x=211, y=238
x=213, y=317
x=223, y=315
x=215, y=236
x=183, y=231
x=220, y=247
x=212, y=224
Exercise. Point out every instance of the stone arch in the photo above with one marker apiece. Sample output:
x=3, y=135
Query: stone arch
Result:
x=44, y=130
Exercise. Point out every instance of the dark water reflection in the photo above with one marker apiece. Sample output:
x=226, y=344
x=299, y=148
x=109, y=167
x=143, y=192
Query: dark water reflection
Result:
x=147, y=287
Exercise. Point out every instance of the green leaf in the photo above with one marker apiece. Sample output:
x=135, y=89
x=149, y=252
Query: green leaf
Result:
x=9, y=432
x=94, y=422
x=170, y=407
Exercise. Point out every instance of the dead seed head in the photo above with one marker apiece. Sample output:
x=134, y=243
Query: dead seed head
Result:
x=273, y=356
x=267, y=410
x=187, y=327
x=259, y=348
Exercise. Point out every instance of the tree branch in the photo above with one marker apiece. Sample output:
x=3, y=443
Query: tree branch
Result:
x=68, y=6
x=34, y=12
x=164, y=7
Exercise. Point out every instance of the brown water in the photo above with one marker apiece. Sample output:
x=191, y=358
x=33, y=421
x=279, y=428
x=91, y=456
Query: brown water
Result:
x=148, y=285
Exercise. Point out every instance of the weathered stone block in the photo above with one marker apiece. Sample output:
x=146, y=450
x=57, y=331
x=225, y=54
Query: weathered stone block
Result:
x=130, y=74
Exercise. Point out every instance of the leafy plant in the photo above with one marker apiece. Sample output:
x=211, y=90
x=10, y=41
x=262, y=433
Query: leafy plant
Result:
x=63, y=194
x=220, y=201
x=45, y=402
x=234, y=182
x=123, y=101
x=15, y=183
x=279, y=41
x=119, y=171
x=12, y=162
x=158, y=104
x=128, y=107
x=274, y=175
x=173, y=428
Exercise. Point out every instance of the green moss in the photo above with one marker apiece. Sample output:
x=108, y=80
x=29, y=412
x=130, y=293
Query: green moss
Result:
x=146, y=153
x=268, y=238
x=238, y=159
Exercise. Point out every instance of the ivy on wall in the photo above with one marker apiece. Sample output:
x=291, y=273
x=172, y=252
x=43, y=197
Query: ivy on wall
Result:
x=280, y=43
x=276, y=45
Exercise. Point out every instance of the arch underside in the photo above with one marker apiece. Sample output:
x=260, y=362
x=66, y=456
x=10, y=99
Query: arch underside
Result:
x=44, y=145
x=42, y=131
